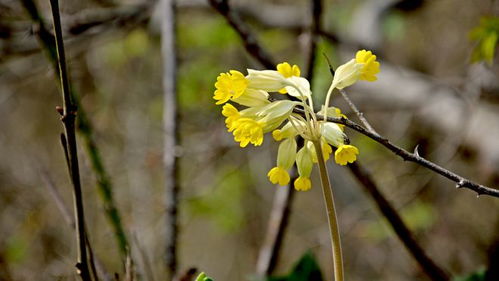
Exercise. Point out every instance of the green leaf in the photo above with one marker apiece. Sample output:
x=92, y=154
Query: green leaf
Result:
x=202, y=277
x=486, y=34
x=475, y=276
x=306, y=269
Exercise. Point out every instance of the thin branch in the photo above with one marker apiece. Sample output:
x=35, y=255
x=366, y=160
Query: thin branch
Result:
x=171, y=131
x=104, y=185
x=316, y=6
x=399, y=227
x=249, y=40
x=96, y=265
x=461, y=182
x=357, y=112
x=68, y=119
x=278, y=220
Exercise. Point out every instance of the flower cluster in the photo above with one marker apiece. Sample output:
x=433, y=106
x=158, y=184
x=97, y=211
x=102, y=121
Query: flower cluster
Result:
x=260, y=115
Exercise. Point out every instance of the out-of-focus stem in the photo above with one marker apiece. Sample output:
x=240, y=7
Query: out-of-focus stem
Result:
x=331, y=214
x=171, y=132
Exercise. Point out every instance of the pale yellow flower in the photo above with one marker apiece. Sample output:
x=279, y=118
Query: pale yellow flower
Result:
x=346, y=154
x=229, y=85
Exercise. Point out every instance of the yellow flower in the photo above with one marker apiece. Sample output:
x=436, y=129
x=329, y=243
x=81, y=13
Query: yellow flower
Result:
x=229, y=85
x=287, y=71
x=326, y=150
x=303, y=184
x=346, y=154
x=278, y=175
x=232, y=114
x=247, y=130
x=370, y=66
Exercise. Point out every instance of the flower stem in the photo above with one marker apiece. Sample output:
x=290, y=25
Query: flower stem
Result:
x=331, y=214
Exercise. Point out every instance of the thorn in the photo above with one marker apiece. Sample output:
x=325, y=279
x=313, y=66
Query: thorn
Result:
x=78, y=267
x=416, y=152
x=59, y=109
x=478, y=195
x=460, y=184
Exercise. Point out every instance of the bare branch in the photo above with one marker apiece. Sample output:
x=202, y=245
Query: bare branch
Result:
x=461, y=182
x=357, y=112
x=68, y=120
x=171, y=131
x=85, y=128
x=399, y=227
x=316, y=6
x=276, y=225
x=249, y=40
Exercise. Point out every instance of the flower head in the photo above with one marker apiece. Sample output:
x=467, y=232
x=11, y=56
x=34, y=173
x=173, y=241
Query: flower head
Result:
x=278, y=175
x=260, y=114
x=287, y=71
x=370, y=67
x=346, y=154
x=232, y=114
x=247, y=130
x=229, y=85
x=303, y=184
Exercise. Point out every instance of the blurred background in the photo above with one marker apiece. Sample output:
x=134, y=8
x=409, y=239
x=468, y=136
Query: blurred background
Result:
x=438, y=89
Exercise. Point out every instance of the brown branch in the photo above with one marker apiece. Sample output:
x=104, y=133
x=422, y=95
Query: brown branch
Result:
x=104, y=185
x=399, y=227
x=68, y=120
x=171, y=131
x=461, y=182
x=249, y=40
x=278, y=220
x=357, y=112
x=316, y=6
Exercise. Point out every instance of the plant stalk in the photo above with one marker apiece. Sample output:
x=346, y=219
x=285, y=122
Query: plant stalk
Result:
x=68, y=119
x=331, y=214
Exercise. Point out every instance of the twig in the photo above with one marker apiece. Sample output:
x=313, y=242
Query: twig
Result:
x=403, y=233
x=171, y=132
x=104, y=185
x=68, y=120
x=461, y=182
x=401, y=230
x=357, y=112
x=314, y=32
x=65, y=212
x=96, y=265
x=144, y=260
x=278, y=220
x=249, y=40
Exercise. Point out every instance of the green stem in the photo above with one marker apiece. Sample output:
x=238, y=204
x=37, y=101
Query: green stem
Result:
x=331, y=214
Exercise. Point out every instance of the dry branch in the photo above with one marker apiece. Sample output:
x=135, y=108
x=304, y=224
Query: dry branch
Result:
x=68, y=120
x=104, y=184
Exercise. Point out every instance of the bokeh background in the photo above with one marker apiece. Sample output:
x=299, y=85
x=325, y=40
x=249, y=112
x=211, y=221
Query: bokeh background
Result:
x=430, y=93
